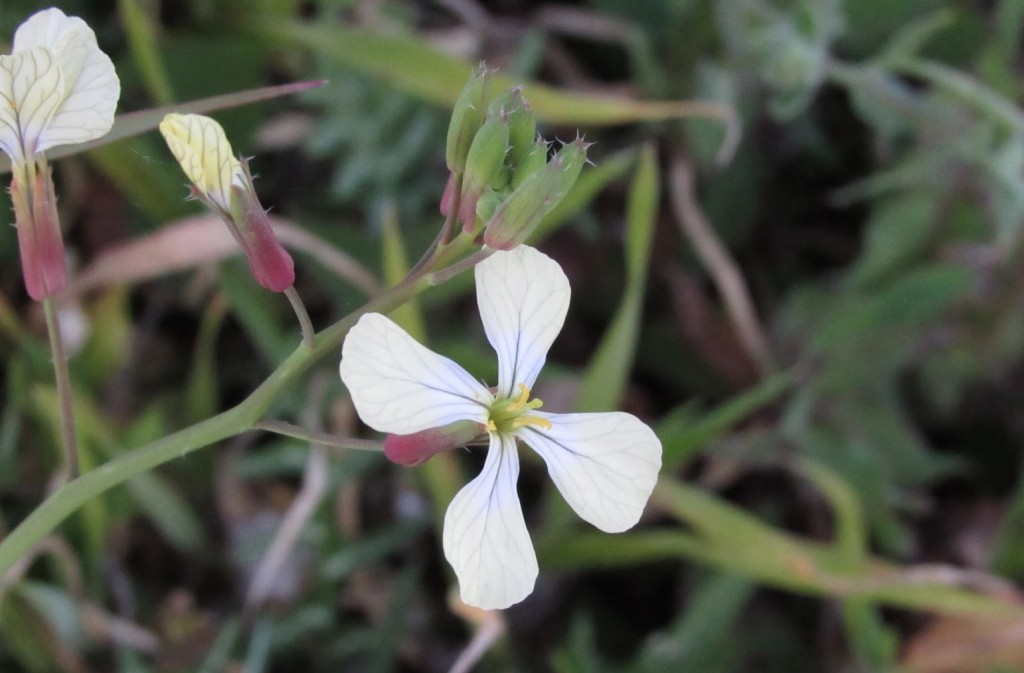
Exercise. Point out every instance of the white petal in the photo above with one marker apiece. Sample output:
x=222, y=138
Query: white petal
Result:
x=201, y=147
x=485, y=537
x=399, y=386
x=605, y=465
x=31, y=89
x=91, y=87
x=523, y=296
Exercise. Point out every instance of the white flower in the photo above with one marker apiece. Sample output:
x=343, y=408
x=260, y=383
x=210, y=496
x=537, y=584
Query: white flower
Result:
x=605, y=465
x=56, y=87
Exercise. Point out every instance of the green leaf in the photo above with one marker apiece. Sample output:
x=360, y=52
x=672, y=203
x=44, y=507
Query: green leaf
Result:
x=415, y=67
x=396, y=266
x=702, y=639
x=912, y=37
x=220, y=652
x=684, y=433
x=898, y=234
x=605, y=380
x=915, y=298
x=258, y=310
x=729, y=539
x=142, y=43
x=965, y=88
x=157, y=189
x=27, y=636
x=98, y=442
x=201, y=389
x=58, y=608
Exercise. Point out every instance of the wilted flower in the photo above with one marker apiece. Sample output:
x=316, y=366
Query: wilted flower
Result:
x=224, y=184
x=56, y=88
x=604, y=464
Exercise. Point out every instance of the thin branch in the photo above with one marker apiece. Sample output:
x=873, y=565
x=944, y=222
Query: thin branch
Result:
x=438, y=277
x=325, y=438
x=308, y=333
x=725, y=273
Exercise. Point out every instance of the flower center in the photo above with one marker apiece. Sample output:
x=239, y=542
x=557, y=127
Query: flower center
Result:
x=508, y=414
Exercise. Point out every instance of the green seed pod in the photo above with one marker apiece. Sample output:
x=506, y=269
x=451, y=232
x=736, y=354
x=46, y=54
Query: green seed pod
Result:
x=467, y=118
x=533, y=162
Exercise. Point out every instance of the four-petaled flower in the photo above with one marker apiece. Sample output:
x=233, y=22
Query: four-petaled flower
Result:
x=604, y=464
x=56, y=88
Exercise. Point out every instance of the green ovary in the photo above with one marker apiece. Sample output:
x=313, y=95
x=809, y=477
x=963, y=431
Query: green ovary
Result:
x=509, y=414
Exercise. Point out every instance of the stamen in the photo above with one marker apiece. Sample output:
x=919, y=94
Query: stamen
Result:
x=510, y=414
x=523, y=421
x=520, y=402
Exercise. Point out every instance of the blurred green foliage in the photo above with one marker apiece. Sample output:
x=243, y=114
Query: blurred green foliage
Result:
x=874, y=209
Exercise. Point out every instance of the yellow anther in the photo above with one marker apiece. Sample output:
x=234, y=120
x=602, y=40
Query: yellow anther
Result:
x=509, y=414
x=520, y=402
x=523, y=421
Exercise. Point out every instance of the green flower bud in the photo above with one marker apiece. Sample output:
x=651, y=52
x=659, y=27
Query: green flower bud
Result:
x=467, y=118
x=522, y=129
x=533, y=162
x=485, y=167
x=568, y=163
x=485, y=164
x=488, y=203
x=523, y=210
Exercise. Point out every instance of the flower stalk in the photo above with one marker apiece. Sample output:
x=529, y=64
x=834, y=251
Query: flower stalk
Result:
x=69, y=441
x=248, y=414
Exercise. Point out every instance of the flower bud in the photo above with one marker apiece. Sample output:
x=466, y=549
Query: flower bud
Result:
x=522, y=124
x=448, y=196
x=417, y=448
x=488, y=203
x=224, y=184
x=269, y=262
x=467, y=118
x=485, y=166
x=532, y=162
x=537, y=196
x=40, y=244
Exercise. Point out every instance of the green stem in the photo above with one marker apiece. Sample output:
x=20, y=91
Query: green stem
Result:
x=69, y=442
x=72, y=495
x=308, y=333
x=314, y=437
x=441, y=242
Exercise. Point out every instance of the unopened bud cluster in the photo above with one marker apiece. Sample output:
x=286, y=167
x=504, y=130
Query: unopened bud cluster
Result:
x=506, y=183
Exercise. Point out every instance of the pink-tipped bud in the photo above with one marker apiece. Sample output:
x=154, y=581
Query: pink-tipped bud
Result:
x=448, y=196
x=419, y=447
x=485, y=167
x=40, y=244
x=269, y=262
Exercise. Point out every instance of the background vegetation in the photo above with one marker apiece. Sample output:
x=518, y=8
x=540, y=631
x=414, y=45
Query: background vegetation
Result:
x=824, y=323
